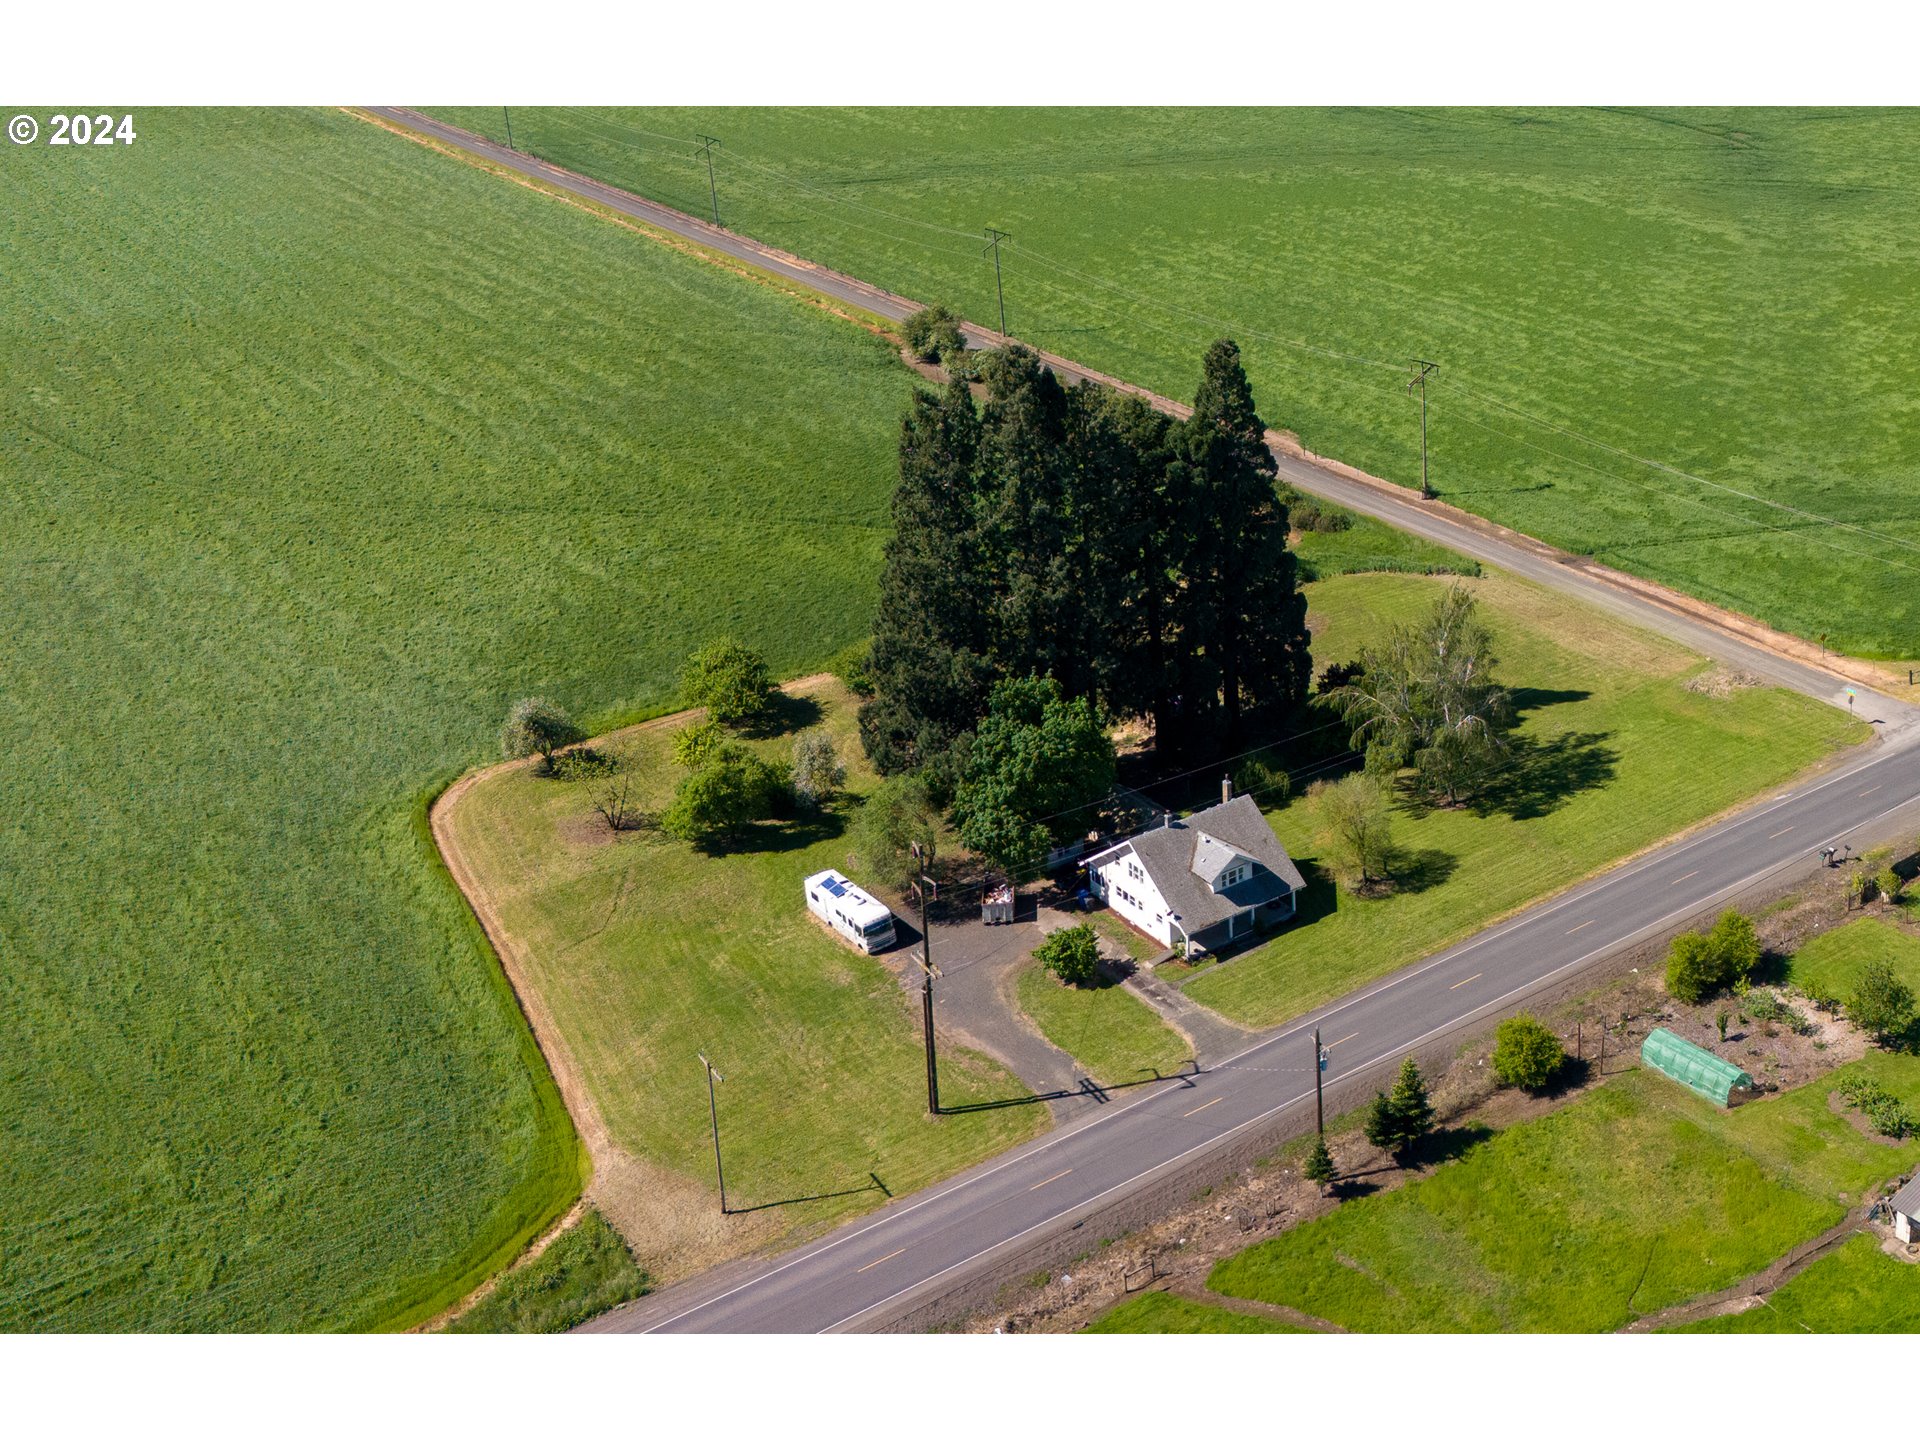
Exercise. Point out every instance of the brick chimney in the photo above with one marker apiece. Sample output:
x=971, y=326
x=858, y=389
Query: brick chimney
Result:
x=1226, y=788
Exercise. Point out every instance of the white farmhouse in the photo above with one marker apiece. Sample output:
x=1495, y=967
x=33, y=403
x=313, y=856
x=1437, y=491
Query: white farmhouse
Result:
x=1200, y=883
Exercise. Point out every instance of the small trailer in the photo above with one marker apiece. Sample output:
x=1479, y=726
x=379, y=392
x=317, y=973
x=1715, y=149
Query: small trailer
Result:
x=852, y=913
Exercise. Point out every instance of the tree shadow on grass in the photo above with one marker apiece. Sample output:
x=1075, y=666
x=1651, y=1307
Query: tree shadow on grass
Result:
x=786, y=715
x=778, y=836
x=1541, y=776
x=1449, y=1142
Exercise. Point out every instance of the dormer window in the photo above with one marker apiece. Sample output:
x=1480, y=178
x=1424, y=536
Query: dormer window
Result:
x=1233, y=875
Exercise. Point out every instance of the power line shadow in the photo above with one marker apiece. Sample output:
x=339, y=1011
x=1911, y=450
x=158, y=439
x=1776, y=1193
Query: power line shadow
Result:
x=874, y=1182
x=1088, y=1088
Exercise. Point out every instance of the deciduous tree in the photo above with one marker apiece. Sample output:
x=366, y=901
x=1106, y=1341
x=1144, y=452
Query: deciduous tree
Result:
x=1072, y=955
x=536, y=726
x=730, y=680
x=1038, y=764
x=1526, y=1053
x=895, y=817
x=817, y=771
x=1882, y=1003
x=1355, y=818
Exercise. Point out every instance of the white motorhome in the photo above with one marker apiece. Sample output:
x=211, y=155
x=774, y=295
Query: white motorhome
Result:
x=852, y=913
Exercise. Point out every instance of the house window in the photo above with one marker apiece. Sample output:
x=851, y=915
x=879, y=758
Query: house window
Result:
x=1133, y=870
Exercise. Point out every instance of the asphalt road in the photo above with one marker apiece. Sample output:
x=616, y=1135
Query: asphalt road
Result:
x=877, y=1269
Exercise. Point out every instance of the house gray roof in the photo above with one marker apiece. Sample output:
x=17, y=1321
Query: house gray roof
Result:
x=1907, y=1199
x=1184, y=855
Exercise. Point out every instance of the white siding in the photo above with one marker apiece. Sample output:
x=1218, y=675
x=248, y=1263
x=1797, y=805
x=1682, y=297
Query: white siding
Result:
x=1122, y=881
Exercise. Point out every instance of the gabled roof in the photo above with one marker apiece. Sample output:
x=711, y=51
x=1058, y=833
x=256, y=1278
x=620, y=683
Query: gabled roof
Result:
x=1211, y=858
x=1907, y=1198
x=1185, y=855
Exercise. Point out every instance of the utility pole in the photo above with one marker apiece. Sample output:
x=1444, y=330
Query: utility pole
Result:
x=1427, y=367
x=707, y=143
x=713, y=1114
x=994, y=237
x=508, y=117
x=928, y=971
x=1319, y=1071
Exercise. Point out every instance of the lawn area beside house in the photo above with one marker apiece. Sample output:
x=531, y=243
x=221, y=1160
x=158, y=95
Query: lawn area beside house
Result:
x=1833, y=961
x=1857, y=1290
x=1116, y=1036
x=1631, y=1199
x=1158, y=1313
x=648, y=952
x=1618, y=753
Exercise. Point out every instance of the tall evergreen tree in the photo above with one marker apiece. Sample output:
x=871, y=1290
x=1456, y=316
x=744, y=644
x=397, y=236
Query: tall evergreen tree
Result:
x=931, y=665
x=1244, y=620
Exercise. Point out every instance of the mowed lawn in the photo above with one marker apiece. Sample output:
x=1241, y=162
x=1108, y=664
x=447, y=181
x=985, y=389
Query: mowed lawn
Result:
x=1630, y=1200
x=1857, y=1290
x=1724, y=291
x=1617, y=753
x=1116, y=1036
x=649, y=953
x=1832, y=962
x=321, y=447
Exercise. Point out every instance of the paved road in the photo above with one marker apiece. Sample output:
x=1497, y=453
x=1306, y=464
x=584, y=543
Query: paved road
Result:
x=874, y=1270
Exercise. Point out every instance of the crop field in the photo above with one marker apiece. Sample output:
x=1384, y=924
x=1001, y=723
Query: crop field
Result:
x=649, y=953
x=1725, y=293
x=1632, y=1199
x=318, y=448
x=1616, y=753
x=1857, y=1290
x=1116, y=1036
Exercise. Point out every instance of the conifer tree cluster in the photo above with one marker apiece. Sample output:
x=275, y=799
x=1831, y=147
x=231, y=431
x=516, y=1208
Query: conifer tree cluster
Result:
x=1075, y=533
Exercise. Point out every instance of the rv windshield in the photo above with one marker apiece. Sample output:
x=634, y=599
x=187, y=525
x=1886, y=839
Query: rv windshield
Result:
x=877, y=927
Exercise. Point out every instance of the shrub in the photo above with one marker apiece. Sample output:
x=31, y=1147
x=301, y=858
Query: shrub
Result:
x=1526, y=1053
x=1882, y=1003
x=1884, y=1110
x=535, y=726
x=721, y=799
x=1821, y=998
x=853, y=667
x=1861, y=887
x=582, y=763
x=1699, y=965
x=933, y=335
x=1770, y=1008
x=694, y=745
x=1889, y=884
x=1072, y=955
x=817, y=771
x=730, y=680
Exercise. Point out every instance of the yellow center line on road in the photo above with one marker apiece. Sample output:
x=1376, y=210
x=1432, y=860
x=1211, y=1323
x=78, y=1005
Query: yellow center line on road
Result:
x=1468, y=981
x=1869, y=790
x=1051, y=1178
x=881, y=1261
x=1688, y=876
x=1778, y=833
x=1198, y=1108
x=1343, y=1040
x=1581, y=926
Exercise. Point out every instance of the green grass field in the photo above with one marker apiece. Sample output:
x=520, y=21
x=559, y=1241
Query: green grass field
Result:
x=1857, y=1290
x=1833, y=961
x=1630, y=1200
x=648, y=953
x=320, y=447
x=1116, y=1037
x=1625, y=755
x=1726, y=292
x=1158, y=1313
x=587, y=1270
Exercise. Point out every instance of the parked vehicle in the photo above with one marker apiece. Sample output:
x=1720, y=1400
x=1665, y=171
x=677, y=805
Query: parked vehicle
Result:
x=859, y=918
